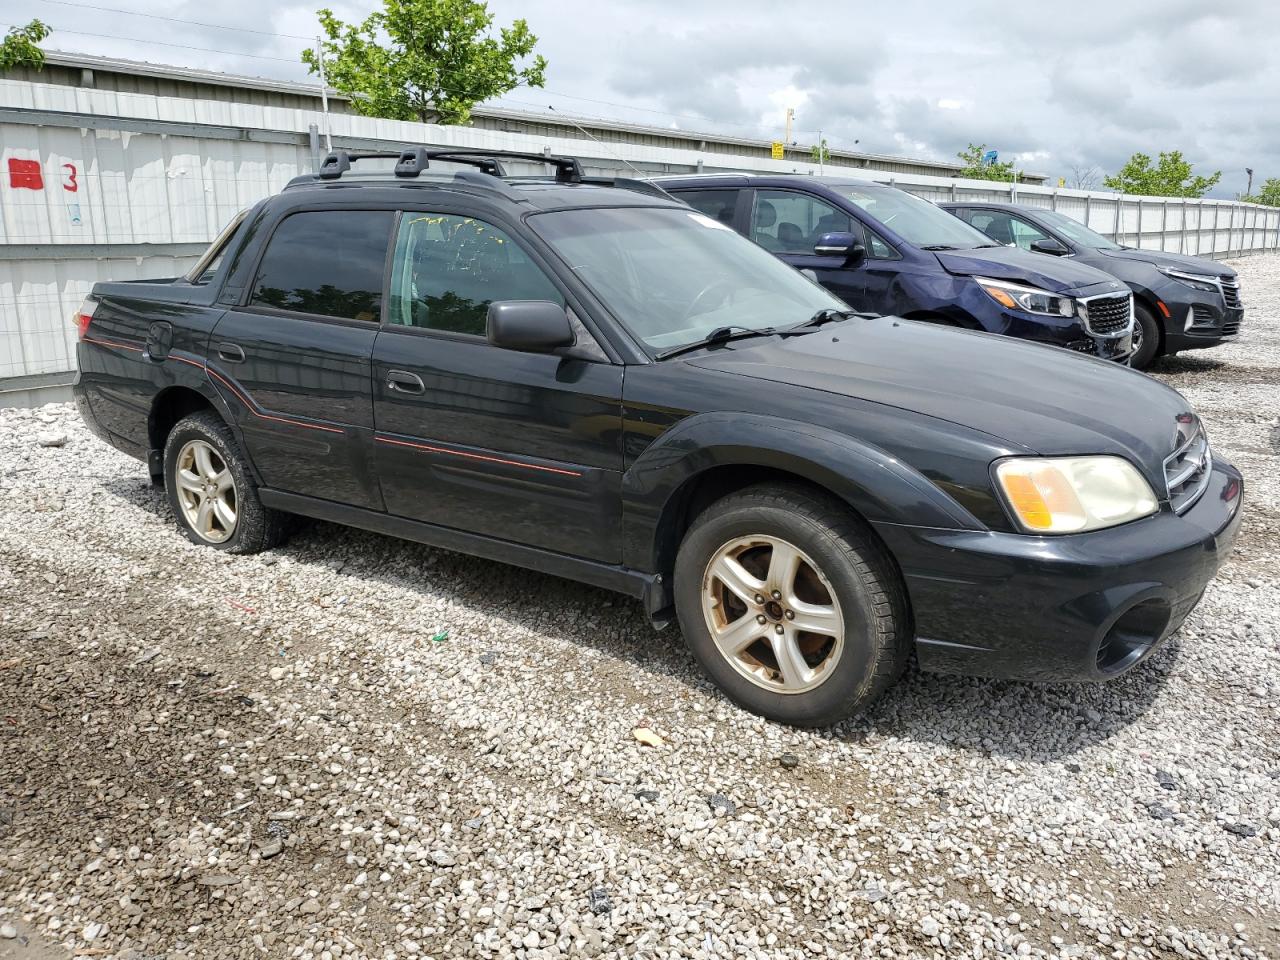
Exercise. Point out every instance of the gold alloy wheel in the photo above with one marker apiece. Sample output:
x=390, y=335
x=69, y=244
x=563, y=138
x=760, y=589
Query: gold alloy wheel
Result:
x=772, y=614
x=206, y=491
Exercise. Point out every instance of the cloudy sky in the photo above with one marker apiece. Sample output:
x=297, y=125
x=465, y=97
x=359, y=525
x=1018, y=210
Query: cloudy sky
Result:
x=1059, y=87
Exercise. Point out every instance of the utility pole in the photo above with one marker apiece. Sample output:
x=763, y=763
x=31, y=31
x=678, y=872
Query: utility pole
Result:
x=786, y=136
x=1248, y=191
x=324, y=95
x=822, y=152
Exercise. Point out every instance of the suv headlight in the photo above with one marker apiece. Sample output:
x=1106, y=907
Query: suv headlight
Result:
x=1197, y=281
x=1073, y=494
x=1016, y=296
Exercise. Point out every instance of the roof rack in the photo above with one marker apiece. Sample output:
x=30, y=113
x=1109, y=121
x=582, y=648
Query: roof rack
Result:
x=411, y=161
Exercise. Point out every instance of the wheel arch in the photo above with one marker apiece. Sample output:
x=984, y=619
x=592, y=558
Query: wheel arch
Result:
x=704, y=459
x=171, y=405
x=1148, y=301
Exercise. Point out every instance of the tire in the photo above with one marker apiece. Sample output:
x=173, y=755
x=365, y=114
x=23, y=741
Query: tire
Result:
x=1147, y=332
x=203, y=438
x=845, y=581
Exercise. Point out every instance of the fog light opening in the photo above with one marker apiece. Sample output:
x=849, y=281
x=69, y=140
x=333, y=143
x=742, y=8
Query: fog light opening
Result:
x=1131, y=636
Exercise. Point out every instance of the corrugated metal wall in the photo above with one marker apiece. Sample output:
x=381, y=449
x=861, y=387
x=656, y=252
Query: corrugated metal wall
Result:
x=99, y=184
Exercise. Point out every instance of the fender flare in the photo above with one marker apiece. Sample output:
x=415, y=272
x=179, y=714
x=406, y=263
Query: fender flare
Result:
x=878, y=486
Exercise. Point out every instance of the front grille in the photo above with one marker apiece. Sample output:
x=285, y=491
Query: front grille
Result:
x=1186, y=471
x=1108, y=314
x=1230, y=291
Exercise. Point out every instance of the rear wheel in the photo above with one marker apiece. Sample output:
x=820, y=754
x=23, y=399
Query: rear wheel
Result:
x=211, y=491
x=791, y=605
x=1146, y=338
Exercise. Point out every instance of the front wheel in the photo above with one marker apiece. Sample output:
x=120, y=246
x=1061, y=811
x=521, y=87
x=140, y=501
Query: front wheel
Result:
x=1146, y=338
x=791, y=605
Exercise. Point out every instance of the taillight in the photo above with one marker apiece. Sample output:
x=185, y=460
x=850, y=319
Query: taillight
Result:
x=84, y=316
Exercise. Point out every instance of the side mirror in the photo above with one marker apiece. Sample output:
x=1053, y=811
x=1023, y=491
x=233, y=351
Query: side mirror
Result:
x=840, y=245
x=531, y=326
x=1050, y=246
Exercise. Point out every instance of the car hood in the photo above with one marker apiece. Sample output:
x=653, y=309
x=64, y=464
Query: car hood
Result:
x=1176, y=261
x=1037, y=269
x=1044, y=399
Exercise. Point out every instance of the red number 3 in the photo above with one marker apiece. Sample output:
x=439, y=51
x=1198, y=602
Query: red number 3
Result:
x=71, y=186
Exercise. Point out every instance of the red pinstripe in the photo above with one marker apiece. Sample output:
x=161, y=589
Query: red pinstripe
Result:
x=111, y=343
x=478, y=456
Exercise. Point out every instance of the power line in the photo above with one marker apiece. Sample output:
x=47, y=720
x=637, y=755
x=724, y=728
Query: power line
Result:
x=180, y=46
x=157, y=16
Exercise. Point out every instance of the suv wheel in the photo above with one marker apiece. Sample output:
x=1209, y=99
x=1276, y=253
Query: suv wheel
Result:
x=1146, y=338
x=211, y=490
x=791, y=606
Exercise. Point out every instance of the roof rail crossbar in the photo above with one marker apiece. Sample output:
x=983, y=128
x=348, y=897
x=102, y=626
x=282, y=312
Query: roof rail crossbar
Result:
x=568, y=169
x=339, y=161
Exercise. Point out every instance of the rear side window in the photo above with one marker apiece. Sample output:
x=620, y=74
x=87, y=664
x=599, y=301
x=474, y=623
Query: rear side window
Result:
x=719, y=205
x=328, y=263
x=209, y=265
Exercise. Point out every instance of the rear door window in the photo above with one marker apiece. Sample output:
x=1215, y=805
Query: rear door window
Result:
x=326, y=263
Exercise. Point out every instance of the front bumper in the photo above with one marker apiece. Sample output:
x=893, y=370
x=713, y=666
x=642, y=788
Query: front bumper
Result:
x=1198, y=319
x=1067, y=332
x=1081, y=607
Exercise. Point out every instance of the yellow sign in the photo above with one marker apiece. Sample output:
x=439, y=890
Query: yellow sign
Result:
x=1062, y=181
x=777, y=150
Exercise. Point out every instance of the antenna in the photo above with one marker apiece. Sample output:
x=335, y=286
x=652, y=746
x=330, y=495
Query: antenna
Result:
x=634, y=168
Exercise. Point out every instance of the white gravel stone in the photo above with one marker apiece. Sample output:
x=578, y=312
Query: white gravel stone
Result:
x=484, y=796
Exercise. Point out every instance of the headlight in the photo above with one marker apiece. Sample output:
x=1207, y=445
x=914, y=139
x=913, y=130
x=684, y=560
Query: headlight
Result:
x=1015, y=296
x=1198, y=281
x=1074, y=494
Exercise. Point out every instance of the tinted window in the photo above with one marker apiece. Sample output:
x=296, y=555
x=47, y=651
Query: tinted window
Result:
x=1076, y=231
x=448, y=269
x=326, y=262
x=209, y=265
x=787, y=222
x=716, y=204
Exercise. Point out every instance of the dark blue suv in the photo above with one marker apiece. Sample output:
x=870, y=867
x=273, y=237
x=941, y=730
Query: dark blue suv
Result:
x=885, y=251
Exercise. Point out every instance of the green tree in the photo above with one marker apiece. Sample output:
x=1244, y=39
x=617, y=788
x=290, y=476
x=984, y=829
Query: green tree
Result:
x=820, y=153
x=21, y=46
x=1170, y=177
x=1269, y=194
x=976, y=169
x=439, y=60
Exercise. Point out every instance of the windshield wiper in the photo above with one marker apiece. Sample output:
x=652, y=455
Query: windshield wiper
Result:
x=718, y=335
x=825, y=315
x=940, y=246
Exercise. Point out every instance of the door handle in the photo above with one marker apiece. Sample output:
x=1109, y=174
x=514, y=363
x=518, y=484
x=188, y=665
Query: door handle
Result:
x=231, y=353
x=402, y=381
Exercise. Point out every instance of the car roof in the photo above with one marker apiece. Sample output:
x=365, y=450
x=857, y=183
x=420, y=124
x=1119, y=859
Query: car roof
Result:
x=537, y=193
x=765, y=179
x=995, y=205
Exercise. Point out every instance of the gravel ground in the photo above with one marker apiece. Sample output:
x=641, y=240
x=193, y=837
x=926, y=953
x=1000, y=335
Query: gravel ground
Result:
x=286, y=756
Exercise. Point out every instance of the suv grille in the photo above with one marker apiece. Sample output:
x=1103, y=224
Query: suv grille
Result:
x=1108, y=314
x=1231, y=326
x=1186, y=471
x=1230, y=291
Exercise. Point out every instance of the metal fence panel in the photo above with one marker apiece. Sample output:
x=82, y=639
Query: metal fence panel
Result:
x=118, y=170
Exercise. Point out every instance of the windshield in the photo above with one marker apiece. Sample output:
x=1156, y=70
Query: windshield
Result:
x=1076, y=231
x=917, y=221
x=673, y=276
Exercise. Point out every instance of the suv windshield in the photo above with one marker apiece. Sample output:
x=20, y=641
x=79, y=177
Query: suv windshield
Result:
x=917, y=221
x=673, y=276
x=1076, y=231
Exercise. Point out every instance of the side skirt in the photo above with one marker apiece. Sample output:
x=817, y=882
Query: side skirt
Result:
x=619, y=579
